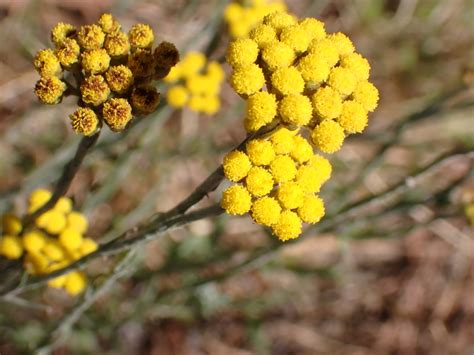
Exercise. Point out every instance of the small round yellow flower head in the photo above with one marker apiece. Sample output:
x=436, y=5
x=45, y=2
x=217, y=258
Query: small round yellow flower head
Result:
x=68, y=52
x=197, y=103
x=70, y=239
x=342, y=43
x=117, y=44
x=33, y=241
x=53, y=250
x=367, y=95
x=94, y=90
x=62, y=31
x=63, y=205
x=266, y=211
x=213, y=104
x=296, y=37
x=38, y=198
x=248, y=79
x=353, y=117
x=88, y=246
x=57, y=282
x=302, y=150
x=236, y=200
x=233, y=12
x=357, y=64
x=322, y=165
x=278, y=55
x=141, y=63
x=192, y=63
x=11, y=224
x=90, y=37
x=259, y=181
x=77, y=221
x=177, y=96
x=75, y=283
x=196, y=84
x=313, y=68
x=314, y=29
x=342, y=80
x=119, y=78
x=282, y=141
x=145, y=99
x=49, y=89
x=288, y=226
x=288, y=81
x=283, y=168
x=242, y=51
x=215, y=71
x=141, y=36
x=325, y=50
x=108, y=23
x=11, y=247
x=263, y=35
x=312, y=209
x=261, y=108
x=84, y=121
x=52, y=221
x=117, y=113
x=308, y=178
x=295, y=109
x=279, y=20
x=327, y=103
x=328, y=136
x=236, y=165
x=36, y=263
x=260, y=152
x=290, y=195
x=95, y=61
x=46, y=63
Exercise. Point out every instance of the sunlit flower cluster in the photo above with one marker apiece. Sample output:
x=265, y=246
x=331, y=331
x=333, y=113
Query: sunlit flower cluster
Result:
x=196, y=84
x=56, y=239
x=241, y=16
x=313, y=84
x=111, y=71
x=276, y=180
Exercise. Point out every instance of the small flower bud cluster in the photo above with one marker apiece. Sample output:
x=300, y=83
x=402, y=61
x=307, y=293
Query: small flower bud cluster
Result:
x=312, y=79
x=242, y=16
x=277, y=181
x=113, y=71
x=196, y=85
x=55, y=241
x=315, y=87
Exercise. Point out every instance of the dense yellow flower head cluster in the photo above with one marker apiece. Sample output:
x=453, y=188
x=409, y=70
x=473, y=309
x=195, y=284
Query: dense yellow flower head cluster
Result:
x=113, y=72
x=276, y=180
x=315, y=88
x=242, y=16
x=196, y=84
x=56, y=239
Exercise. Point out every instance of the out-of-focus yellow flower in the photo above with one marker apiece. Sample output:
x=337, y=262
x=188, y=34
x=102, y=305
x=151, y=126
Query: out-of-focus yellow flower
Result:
x=11, y=247
x=197, y=84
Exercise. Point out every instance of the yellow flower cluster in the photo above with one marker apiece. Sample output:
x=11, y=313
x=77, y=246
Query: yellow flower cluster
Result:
x=55, y=241
x=315, y=87
x=195, y=84
x=277, y=180
x=113, y=71
x=242, y=16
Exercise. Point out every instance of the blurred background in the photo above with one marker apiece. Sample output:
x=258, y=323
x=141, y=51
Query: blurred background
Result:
x=389, y=271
